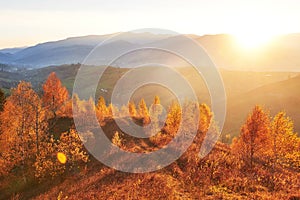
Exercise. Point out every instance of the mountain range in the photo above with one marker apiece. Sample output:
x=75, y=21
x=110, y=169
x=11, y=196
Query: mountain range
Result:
x=280, y=55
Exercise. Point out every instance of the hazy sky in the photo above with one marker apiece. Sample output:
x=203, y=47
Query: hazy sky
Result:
x=28, y=22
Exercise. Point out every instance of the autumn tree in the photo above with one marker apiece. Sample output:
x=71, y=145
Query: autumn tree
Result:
x=190, y=115
x=155, y=112
x=189, y=127
x=117, y=140
x=155, y=129
x=101, y=105
x=156, y=100
x=85, y=115
x=101, y=109
x=215, y=166
x=143, y=111
x=132, y=109
x=40, y=122
x=156, y=107
x=254, y=138
x=205, y=118
x=112, y=111
x=76, y=104
x=285, y=142
x=55, y=95
x=23, y=126
x=67, y=109
x=173, y=119
x=206, y=128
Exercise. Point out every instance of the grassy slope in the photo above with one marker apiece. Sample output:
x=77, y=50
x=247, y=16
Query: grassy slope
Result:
x=100, y=182
x=110, y=184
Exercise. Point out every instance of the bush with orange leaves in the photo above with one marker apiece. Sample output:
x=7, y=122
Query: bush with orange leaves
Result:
x=69, y=145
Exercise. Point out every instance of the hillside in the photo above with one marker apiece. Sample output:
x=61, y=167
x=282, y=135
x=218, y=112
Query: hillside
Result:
x=176, y=181
x=59, y=166
x=181, y=180
x=278, y=96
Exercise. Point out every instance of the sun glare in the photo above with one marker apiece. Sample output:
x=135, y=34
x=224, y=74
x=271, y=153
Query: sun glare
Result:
x=254, y=41
x=251, y=41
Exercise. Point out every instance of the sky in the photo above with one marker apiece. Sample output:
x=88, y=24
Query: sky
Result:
x=26, y=23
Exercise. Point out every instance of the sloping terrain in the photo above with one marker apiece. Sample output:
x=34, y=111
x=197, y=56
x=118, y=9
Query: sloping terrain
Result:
x=100, y=182
x=276, y=97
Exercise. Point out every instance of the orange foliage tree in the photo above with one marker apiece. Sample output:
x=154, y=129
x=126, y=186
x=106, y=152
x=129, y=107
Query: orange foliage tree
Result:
x=155, y=113
x=112, y=110
x=132, y=109
x=55, y=95
x=23, y=126
x=191, y=156
x=101, y=109
x=254, y=138
x=143, y=112
x=173, y=119
x=205, y=118
x=285, y=142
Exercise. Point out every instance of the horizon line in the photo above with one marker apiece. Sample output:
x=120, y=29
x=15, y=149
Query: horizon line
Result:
x=106, y=34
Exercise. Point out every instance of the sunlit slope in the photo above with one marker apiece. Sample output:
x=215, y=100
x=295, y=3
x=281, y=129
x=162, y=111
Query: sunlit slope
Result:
x=283, y=95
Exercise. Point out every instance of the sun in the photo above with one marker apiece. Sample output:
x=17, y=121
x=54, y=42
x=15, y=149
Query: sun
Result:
x=254, y=40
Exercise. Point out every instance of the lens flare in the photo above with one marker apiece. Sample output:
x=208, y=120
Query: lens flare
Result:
x=61, y=157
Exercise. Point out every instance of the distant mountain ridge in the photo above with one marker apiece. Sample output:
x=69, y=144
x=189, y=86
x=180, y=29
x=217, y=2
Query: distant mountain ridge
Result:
x=11, y=50
x=281, y=55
